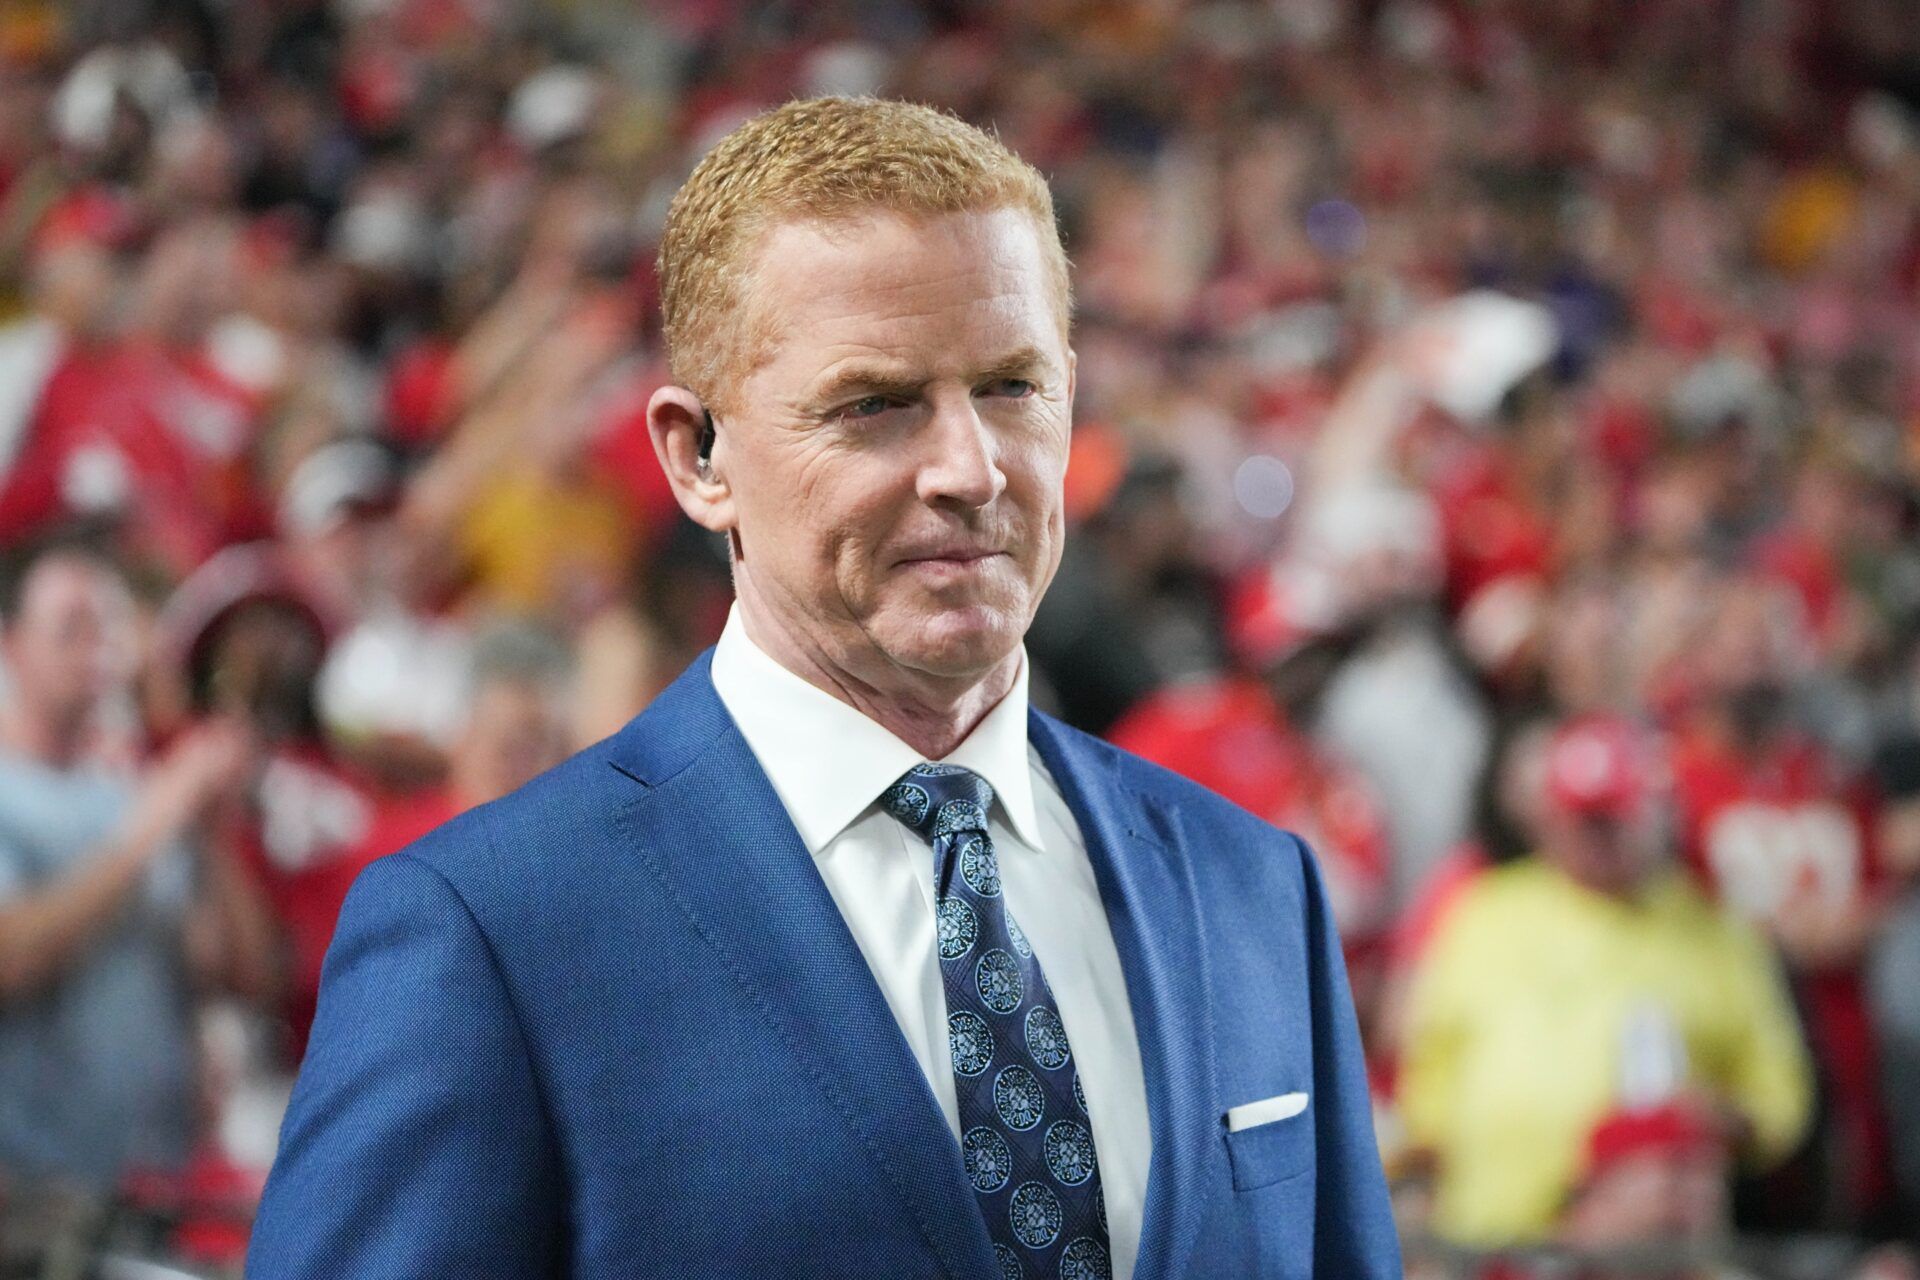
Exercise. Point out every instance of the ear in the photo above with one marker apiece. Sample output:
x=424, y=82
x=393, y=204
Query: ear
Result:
x=1073, y=374
x=675, y=417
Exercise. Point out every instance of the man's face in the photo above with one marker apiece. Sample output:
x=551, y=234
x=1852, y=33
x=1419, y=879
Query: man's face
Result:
x=1609, y=853
x=1650, y=1198
x=72, y=641
x=516, y=731
x=266, y=661
x=895, y=462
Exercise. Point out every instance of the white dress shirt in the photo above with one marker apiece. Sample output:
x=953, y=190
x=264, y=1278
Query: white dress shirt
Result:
x=829, y=765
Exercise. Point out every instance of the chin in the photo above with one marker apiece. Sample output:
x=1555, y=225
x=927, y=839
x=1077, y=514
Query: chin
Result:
x=955, y=643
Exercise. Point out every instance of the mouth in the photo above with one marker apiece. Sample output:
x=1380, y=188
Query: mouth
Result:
x=949, y=560
x=959, y=552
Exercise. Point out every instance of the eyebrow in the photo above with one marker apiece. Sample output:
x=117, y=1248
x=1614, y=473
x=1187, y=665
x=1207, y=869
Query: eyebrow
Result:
x=867, y=380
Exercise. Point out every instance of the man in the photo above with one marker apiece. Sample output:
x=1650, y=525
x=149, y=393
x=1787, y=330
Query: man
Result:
x=754, y=989
x=1589, y=979
x=106, y=915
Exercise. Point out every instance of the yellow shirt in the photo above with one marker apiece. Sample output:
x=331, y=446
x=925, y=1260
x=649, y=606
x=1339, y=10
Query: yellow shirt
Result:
x=1518, y=1020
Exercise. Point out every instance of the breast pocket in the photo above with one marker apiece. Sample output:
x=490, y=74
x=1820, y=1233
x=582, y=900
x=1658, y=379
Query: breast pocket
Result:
x=1269, y=1141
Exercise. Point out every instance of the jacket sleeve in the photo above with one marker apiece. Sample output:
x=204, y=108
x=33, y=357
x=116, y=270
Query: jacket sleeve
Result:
x=416, y=1143
x=1354, y=1234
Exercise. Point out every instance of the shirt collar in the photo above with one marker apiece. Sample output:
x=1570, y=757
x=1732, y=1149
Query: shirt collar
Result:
x=828, y=762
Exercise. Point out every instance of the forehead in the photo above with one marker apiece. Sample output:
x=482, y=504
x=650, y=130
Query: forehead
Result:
x=921, y=291
x=60, y=584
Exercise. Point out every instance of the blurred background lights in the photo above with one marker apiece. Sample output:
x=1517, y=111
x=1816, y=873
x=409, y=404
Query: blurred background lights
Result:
x=1263, y=486
x=1336, y=228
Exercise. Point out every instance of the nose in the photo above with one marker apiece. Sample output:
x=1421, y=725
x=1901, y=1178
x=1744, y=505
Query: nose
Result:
x=962, y=463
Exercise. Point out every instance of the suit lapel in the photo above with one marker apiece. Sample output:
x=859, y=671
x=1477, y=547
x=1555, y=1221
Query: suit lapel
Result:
x=714, y=832
x=1147, y=891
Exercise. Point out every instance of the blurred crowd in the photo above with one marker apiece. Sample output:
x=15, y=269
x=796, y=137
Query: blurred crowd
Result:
x=1497, y=458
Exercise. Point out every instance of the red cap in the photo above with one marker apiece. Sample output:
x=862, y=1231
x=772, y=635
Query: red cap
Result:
x=1599, y=765
x=1672, y=1128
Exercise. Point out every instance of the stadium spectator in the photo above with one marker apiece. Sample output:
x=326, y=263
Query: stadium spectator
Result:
x=1587, y=978
x=249, y=647
x=114, y=903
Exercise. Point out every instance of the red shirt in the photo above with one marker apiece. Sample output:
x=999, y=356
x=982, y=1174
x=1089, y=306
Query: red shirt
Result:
x=1489, y=528
x=157, y=435
x=317, y=825
x=31, y=490
x=1811, y=571
x=1764, y=832
x=187, y=433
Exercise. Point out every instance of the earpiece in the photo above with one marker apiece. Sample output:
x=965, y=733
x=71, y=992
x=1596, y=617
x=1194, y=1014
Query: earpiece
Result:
x=703, y=461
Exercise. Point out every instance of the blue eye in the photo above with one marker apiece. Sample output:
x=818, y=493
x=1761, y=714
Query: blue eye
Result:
x=868, y=407
x=1014, y=388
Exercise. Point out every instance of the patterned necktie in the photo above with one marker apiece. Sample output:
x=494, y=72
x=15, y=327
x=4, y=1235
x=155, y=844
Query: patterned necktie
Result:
x=1023, y=1117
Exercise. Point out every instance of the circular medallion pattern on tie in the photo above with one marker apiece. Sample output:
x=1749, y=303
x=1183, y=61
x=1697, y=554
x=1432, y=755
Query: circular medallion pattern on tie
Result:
x=1018, y=1098
x=937, y=770
x=1079, y=1094
x=989, y=1159
x=959, y=928
x=907, y=802
x=997, y=978
x=1034, y=1213
x=1069, y=1152
x=1100, y=1207
x=959, y=815
x=1009, y=1262
x=1085, y=1259
x=970, y=1041
x=1019, y=937
x=1047, y=1040
x=978, y=867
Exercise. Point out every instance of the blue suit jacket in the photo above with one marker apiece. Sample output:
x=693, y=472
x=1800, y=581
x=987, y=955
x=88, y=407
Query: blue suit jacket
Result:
x=613, y=1026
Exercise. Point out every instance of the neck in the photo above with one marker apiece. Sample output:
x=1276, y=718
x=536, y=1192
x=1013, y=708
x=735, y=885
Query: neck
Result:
x=54, y=740
x=932, y=714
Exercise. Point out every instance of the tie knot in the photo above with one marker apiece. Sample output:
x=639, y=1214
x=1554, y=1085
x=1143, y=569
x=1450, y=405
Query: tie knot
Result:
x=939, y=800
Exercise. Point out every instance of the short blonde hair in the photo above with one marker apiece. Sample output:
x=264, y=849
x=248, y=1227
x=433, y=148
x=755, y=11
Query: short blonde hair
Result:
x=824, y=159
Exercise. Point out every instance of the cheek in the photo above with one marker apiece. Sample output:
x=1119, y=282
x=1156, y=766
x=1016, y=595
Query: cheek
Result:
x=1042, y=450
x=839, y=520
x=1035, y=482
x=790, y=499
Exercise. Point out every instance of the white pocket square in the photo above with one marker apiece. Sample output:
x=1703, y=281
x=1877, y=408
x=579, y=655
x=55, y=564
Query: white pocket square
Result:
x=1265, y=1111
